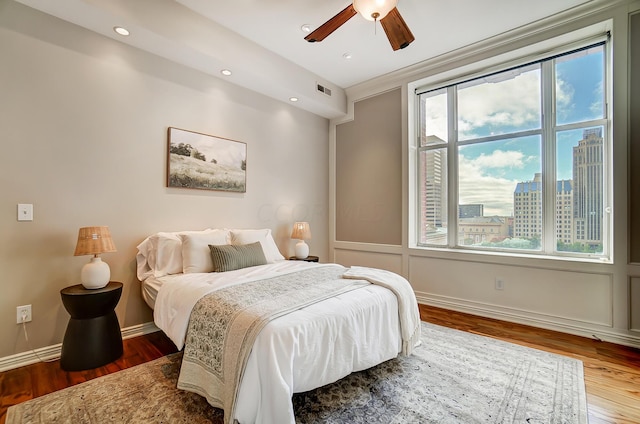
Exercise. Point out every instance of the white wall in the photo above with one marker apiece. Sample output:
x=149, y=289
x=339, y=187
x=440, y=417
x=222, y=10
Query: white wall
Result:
x=83, y=124
x=576, y=297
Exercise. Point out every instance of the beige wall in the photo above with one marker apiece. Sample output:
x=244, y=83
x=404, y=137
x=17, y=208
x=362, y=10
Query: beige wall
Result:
x=369, y=172
x=83, y=124
x=575, y=297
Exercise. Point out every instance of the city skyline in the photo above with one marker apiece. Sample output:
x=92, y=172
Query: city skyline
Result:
x=490, y=171
x=579, y=208
x=541, y=123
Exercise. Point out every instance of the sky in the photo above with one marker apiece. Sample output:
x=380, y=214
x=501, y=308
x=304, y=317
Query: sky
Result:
x=225, y=152
x=501, y=104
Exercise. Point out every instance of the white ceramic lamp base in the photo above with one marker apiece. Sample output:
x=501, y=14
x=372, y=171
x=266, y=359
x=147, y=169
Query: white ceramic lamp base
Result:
x=95, y=274
x=302, y=250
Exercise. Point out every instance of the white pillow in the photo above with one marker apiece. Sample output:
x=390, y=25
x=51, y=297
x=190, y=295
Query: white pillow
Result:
x=168, y=254
x=161, y=253
x=271, y=252
x=143, y=268
x=196, y=255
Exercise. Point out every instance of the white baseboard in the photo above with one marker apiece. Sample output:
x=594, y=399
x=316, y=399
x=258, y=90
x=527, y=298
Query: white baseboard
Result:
x=575, y=328
x=52, y=353
x=139, y=330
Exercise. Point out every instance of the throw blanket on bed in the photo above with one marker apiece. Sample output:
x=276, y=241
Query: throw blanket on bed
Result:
x=408, y=311
x=224, y=325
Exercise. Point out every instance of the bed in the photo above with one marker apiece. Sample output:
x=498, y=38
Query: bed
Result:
x=326, y=320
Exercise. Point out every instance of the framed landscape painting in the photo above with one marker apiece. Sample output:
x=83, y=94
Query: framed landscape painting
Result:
x=206, y=162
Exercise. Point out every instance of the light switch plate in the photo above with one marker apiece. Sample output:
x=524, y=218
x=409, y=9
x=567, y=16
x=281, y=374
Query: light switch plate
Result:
x=25, y=212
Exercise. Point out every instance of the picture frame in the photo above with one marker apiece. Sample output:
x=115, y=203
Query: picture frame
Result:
x=205, y=162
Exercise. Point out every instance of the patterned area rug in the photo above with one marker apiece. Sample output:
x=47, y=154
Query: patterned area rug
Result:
x=453, y=377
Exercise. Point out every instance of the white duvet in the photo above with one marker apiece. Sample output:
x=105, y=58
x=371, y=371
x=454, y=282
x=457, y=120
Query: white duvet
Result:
x=301, y=351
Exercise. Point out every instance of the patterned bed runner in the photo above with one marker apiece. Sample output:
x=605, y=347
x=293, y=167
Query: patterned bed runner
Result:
x=224, y=325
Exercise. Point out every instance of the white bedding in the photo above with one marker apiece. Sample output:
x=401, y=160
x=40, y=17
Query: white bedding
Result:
x=306, y=349
x=150, y=287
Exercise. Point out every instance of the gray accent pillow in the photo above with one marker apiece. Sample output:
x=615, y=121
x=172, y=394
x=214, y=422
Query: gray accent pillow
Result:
x=228, y=257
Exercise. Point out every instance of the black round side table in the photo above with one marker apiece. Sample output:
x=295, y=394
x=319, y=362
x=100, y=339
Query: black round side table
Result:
x=307, y=259
x=93, y=336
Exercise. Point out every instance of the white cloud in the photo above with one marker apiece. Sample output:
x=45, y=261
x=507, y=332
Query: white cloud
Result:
x=564, y=99
x=514, y=102
x=435, y=112
x=596, y=106
x=482, y=180
x=500, y=159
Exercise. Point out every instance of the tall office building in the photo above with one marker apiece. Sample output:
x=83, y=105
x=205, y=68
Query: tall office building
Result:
x=433, y=191
x=527, y=205
x=527, y=209
x=579, y=202
x=564, y=211
x=587, y=187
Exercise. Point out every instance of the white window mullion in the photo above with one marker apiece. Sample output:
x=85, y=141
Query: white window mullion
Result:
x=549, y=179
x=452, y=167
x=607, y=230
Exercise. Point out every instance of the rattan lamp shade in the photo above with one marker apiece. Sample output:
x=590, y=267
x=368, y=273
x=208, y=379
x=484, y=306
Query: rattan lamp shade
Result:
x=301, y=231
x=93, y=241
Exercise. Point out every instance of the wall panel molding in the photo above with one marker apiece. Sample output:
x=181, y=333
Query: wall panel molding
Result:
x=634, y=304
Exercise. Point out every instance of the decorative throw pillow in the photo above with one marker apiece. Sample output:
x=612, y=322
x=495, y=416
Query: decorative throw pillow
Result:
x=236, y=256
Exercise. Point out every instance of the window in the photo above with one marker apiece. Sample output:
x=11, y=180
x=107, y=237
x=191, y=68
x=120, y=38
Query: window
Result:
x=523, y=152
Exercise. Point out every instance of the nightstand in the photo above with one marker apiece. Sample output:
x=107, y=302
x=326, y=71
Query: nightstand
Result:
x=307, y=259
x=93, y=337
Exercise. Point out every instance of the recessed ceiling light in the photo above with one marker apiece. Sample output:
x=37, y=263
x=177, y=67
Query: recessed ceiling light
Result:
x=226, y=72
x=347, y=56
x=121, y=31
x=293, y=99
x=305, y=28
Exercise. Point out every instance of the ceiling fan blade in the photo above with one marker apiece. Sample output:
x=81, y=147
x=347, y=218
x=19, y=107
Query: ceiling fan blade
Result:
x=324, y=30
x=397, y=31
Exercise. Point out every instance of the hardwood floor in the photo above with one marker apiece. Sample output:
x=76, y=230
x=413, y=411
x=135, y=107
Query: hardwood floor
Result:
x=21, y=384
x=612, y=372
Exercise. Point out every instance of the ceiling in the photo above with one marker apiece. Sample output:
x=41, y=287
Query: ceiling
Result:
x=262, y=43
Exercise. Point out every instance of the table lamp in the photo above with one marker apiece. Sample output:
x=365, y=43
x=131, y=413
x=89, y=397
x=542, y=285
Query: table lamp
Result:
x=302, y=232
x=94, y=241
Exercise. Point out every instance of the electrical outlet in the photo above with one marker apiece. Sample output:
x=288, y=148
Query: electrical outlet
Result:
x=499, y=283
x=23, y=311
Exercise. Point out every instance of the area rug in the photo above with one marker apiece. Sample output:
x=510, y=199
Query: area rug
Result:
x=453, y=377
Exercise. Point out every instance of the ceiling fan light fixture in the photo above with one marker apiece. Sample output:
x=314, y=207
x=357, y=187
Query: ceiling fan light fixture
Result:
x=374, y=10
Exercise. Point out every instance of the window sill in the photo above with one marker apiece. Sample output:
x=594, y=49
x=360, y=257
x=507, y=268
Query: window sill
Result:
x=502, y=257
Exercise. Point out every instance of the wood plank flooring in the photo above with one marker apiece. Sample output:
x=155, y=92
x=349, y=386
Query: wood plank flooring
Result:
x=612, y=372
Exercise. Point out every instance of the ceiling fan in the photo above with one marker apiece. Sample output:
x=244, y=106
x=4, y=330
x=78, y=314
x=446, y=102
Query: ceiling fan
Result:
x=385, y=11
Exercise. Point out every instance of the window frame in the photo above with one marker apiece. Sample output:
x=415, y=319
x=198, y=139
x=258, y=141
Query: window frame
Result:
x=547, y=132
